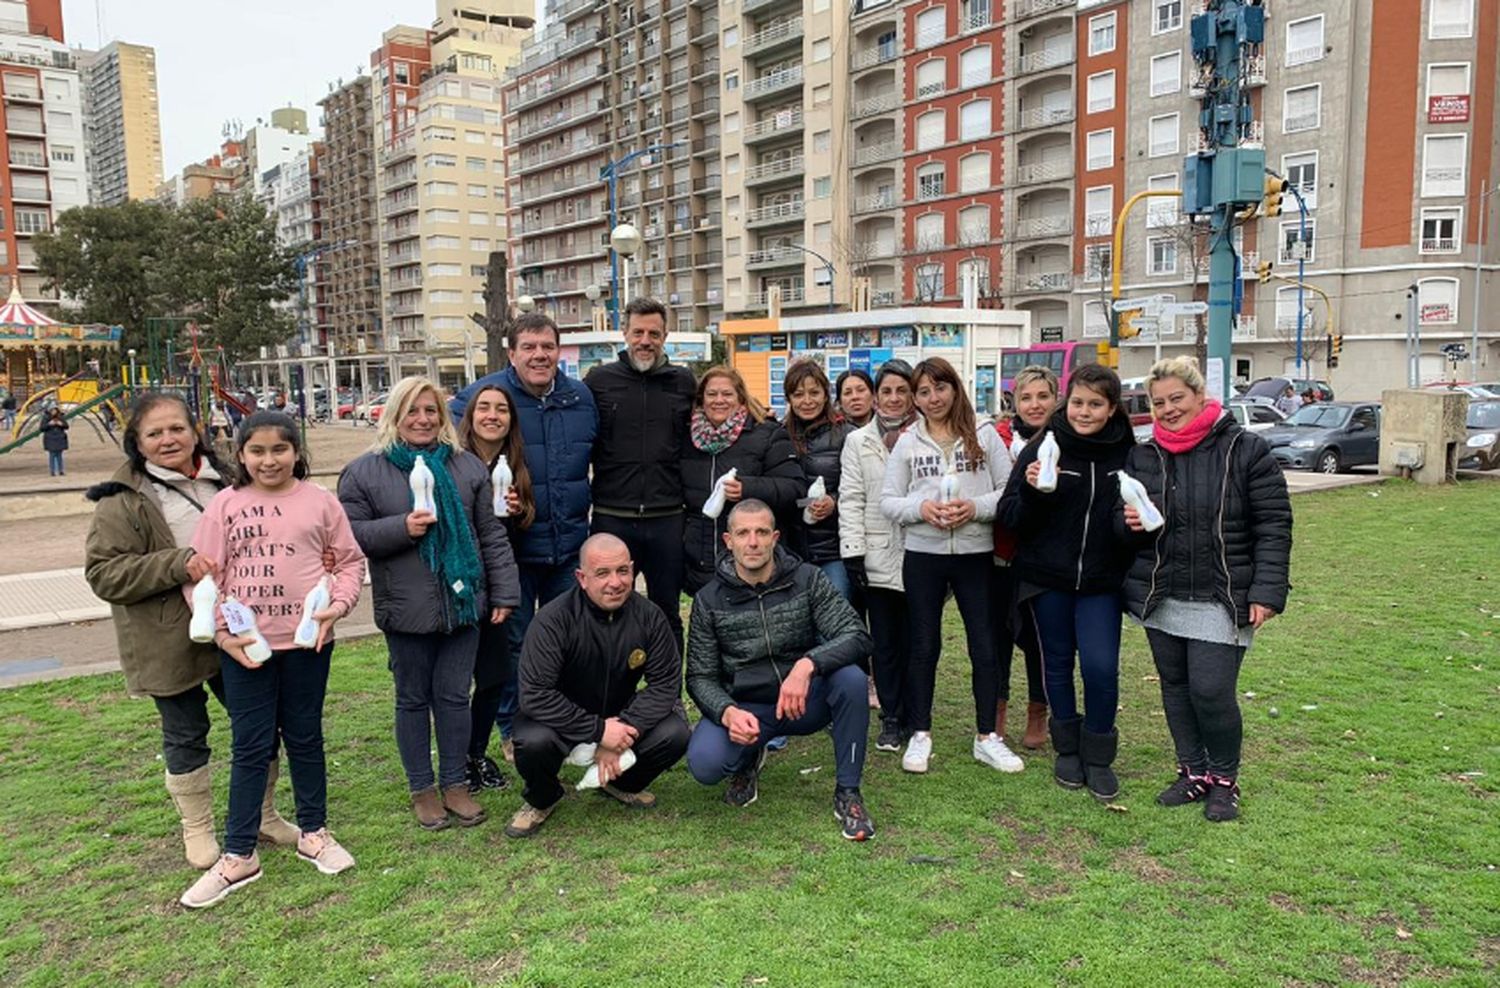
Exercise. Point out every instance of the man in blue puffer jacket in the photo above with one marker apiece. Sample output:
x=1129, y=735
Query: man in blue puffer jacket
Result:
x=558, y=422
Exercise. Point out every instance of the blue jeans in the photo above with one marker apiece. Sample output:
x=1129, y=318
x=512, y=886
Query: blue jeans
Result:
x=839, y=577
x=54, y=462
x=1088, y=625
x=282, y=699
x=540, y=583
x=432, y=674
x=840, y=698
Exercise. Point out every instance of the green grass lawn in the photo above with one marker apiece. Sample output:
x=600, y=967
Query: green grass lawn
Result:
x=1367, y=852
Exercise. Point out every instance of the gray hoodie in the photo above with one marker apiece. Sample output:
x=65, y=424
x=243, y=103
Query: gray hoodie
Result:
x=914, y=474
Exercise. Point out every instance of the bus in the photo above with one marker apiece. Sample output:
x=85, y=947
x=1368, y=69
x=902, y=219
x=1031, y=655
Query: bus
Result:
x=1062, y=358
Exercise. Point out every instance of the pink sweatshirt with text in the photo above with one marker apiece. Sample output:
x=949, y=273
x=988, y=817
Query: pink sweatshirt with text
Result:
x=269, y=551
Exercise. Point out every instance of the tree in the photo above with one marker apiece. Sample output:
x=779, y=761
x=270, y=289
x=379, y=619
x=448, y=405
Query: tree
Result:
x=1189, y=235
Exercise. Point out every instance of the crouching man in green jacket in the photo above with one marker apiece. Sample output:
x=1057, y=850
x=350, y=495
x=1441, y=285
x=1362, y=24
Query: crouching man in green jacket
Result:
x=773, y=649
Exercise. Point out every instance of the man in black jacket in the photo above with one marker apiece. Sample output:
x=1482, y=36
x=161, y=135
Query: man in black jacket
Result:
x=584, y=657
x=644, y=403
x=773, y=650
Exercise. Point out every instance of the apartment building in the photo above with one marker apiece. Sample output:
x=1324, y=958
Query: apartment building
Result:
x=43, y=156
x=122, y=123
x=1382, y=115
x=348, y=274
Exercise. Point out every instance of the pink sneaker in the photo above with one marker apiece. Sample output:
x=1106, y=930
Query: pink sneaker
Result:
x=325, y=853
x=230, y=872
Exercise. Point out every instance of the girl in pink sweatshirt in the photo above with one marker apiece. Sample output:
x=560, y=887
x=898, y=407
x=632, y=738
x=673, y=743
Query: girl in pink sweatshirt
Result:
x=266, y=538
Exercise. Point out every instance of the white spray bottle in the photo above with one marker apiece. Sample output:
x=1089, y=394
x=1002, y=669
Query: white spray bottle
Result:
x=500, y=480
x=815, y=491
x=714, y=506
x=205, y=596
x=1134, y=494
x=421, y=487
x=318, y=598
x=241, y=622
x=1047, y=455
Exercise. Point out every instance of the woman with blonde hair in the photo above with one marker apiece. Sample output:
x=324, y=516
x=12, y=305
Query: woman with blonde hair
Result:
x=436, y=574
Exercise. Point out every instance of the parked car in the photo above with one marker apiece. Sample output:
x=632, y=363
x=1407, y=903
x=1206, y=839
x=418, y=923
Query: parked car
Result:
x=1328, y=437
x=362, y=409
x=1483, y=447
x=1137, y=404
x=1275, y=387
x=1493, y=387
x=1256, y=415
x=1476, y=392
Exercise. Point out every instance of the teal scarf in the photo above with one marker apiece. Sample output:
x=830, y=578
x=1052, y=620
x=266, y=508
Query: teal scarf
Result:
x=448, y=548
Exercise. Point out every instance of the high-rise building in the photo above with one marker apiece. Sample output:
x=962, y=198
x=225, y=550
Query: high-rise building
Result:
x=348, y=274
x=219, y=175
x=43, y=169
x=122, y=123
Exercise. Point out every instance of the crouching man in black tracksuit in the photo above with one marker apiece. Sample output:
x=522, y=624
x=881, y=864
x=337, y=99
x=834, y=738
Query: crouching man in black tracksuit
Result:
x=584, y=656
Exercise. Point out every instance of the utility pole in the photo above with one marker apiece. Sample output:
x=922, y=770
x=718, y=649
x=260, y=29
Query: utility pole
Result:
x=1226, y=173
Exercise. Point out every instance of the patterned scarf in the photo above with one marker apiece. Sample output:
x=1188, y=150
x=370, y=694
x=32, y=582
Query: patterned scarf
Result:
x=713, y=439
x=890, y=429
x=448, y=548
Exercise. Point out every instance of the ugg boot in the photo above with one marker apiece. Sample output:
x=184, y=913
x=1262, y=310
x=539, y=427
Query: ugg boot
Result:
x=1000, y=719
x=193, y=794
x=1098, y=755
x=1036, y=726
x=274, y=828
x=1068, y=769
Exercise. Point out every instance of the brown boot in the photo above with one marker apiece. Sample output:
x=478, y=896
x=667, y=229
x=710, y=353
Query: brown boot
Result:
x=274, y=828
x=456, y=800
x=428, y=807
x=1036, y=726
x=193, y=794
x=1000, y=719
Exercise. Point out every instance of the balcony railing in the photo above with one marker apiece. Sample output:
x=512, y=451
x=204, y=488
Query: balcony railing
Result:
x=1303, y=55
x=750, y=5
x=1244, y=329
x=1439, y=245
x=1255, y=70
x=28, y=159
x=1050, y=281
x=774, y=82
x=1031, y=8
x=1045, y=226
x=1295, y=122
x=780, y=167
x=883, y=103
x=780, y=212
x=1046, y=116
x=872, y=153
x=885, y=199
x=581, y=111
x=1044, y=171
x=883, y=299
x=778, y=255
x=875, y=250
x=978, y=16
x=875, y=55
x=782, y=121
x=1249, y=261
x=789, y=296
x=1048, y=58
x=773, y=35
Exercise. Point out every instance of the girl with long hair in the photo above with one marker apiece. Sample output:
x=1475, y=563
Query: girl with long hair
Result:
x=817, y=433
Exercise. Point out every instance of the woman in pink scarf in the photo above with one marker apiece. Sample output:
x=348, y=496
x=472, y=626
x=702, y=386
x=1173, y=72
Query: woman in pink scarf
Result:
x=1207, y=579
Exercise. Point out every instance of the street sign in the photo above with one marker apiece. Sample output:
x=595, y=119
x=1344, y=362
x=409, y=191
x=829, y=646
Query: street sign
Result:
x=1131, y=304
x=1183, y=309
x=1051, y=334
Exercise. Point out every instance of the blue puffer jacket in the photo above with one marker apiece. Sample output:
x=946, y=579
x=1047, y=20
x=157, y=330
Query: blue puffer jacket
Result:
x=559, y=430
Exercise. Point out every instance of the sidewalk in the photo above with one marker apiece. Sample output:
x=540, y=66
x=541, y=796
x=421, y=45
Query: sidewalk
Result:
x=40, y=600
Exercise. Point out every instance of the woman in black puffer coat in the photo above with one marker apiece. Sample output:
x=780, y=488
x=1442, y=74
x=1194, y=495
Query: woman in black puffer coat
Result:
x=1205, y=581
x=818, y=435
x=729, y=431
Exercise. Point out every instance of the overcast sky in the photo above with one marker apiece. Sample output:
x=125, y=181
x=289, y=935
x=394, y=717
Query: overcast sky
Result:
x=219, y=60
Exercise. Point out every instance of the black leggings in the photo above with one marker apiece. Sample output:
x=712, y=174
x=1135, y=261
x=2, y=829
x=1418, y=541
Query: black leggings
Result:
x=184, y=726
x=927, y=578
x=890, y=629
x=1014, y=628
x=492, y=673
x=1199, y=694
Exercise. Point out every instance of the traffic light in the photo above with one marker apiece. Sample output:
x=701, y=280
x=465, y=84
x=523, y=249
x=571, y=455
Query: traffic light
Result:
x=1275, y=189
x=1263, y=272
x=1335, y=348
x=1127, y=327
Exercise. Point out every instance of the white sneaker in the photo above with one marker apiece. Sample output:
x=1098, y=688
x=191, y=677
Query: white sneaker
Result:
x=918, y=750
x=990, y=750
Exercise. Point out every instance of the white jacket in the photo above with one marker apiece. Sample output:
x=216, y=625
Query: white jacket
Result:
x=863, y=530
x=915, y=473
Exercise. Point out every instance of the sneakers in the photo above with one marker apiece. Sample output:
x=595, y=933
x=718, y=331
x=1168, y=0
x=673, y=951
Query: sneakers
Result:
x=483, y=773
x=890, y=737
x=230, y=872
x=428, y=807
x=456, y=800
x=849, y=810
x=744, y=787
x=1223, y=802
x=323, y=852
x=777, y=743
x=918, y=751
x=634, y=800
x=528, y=820
x=990, y=750
x=1186, y=788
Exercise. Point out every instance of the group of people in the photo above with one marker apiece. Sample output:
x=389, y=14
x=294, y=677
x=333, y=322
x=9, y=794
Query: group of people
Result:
x=819, y=551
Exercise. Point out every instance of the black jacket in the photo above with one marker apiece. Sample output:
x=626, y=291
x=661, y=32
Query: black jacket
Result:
x=1228, y=531
x=54, y=435
x=819, y=544
x=1065, y=540
x=768, y=470
x=643, y=430
x=743, y=639
x=581, y=664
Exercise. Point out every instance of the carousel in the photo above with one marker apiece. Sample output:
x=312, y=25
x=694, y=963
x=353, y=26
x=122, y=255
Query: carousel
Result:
x=48, y=363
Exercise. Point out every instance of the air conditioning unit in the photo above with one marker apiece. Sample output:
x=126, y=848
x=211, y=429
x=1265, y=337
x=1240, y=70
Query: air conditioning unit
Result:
x=674, y=298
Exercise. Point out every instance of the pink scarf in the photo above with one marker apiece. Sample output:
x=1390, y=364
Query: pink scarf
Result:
x=1189, y=435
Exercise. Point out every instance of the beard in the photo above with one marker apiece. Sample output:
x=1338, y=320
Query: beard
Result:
x=643, y=365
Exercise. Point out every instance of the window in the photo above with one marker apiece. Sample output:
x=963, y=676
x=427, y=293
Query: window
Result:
x=974, y=120
x=62, y=152
x=931, y=78
x=1161, y=210
x=1437, y=301
x=731, y=81
x=475, y=164
x=479, y=243
x=1163, y=256
x=974, y=225
x=1302, y=109
x=1304, y=40
x=1440, y=230
x=1166, y=16
x=822, y=50
x=1294, y=247
x=1166, y=74
x=974, y=66
x=932, y=26
x=1102, y=34
x=442, y=216
x=822, y=233
x=478, y=191
x=441, y=242
x=58, y=89
x=731, y=36
x=931, y=130
x=977, y=269
x=1096, y=261
x=822, y=140
x=822, y=95
x=1286, y=308
x=1099, y=211
x=1301, y=170
x=822, y=187
x=1448, y=79
x=1451, y=19
x=931, y=180
x=58, y=120
x=441, y=188
x=1443, y=160
x=927, y=232
x=1101, y=89
x=1101, y=149
x=479, y=219
x=929, y=282
x=1164, y=131
x=974, y=172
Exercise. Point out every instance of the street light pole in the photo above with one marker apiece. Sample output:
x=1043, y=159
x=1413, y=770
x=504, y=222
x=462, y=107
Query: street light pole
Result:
x=1484, y=193
x=826, y=264
x=610, y=174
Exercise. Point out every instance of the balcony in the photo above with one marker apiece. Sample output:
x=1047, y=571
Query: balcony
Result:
x=558, y=118
x=1048, y=281
x=874, y=250
x=1255, y=71
x=708, y=259
x=785, y=121
x=870, y=154
x=1044, y=226
x=772, y=37
x=776, y=170
x=1244, y=329
x=1055, y=170
x=1050, y=57
x=548, y=87
x=1032, y=8
x=789, y=296
x=572, y=8
x=30, y=191
x=1249, y=261
x=885, y=298
x=976, y=18
x=872, y=56
x=774, y=257
x=1046, y=116
x=750, y=5
x=781, y=212
x=708, y=183
x=706, y=107
x=774, y=82
x=35, y=160
x=19, y=91
x=1255, y=136
x=882, y=103
x=875, y=201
